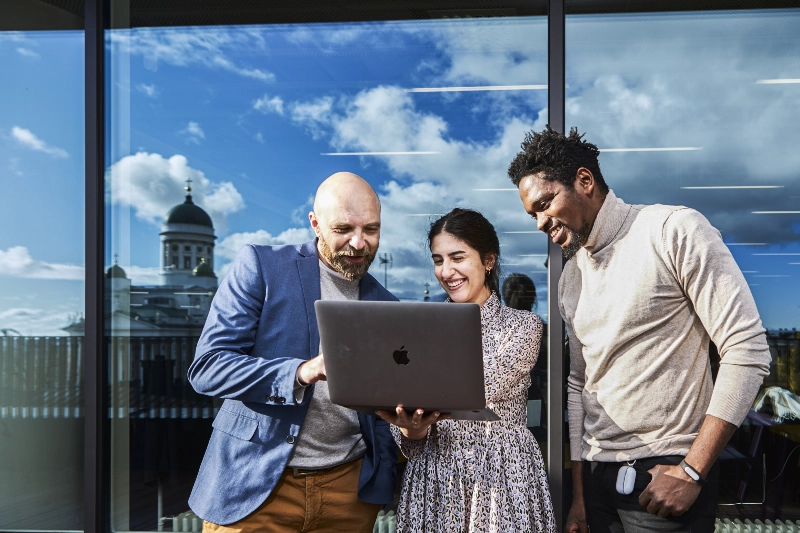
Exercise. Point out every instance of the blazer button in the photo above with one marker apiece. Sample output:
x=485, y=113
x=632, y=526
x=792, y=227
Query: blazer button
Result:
x=270, y=398
x=280, y=399
x=290, y=439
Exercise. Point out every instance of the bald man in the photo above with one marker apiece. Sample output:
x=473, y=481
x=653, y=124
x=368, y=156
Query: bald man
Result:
x=283, y=458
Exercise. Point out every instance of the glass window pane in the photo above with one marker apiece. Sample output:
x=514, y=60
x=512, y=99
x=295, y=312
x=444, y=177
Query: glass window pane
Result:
x=700, y=109
x=41, y=271
x=219, y=137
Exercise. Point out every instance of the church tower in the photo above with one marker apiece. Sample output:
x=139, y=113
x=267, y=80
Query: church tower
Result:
x=187, y=246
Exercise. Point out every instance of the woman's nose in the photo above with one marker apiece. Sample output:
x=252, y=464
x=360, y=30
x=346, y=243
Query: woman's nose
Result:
x=447, y=270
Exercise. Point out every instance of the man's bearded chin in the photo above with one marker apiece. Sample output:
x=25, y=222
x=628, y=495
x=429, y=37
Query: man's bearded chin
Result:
x=337, y=261
x=574, y=245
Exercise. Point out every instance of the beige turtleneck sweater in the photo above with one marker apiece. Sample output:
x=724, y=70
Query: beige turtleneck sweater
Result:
x=640, y=301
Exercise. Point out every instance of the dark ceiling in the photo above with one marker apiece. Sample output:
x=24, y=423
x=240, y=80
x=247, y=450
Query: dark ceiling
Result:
x=68, y=14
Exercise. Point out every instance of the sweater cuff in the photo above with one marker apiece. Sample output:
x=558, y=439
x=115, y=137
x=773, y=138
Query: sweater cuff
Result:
x=734, y=391
x=576, y=430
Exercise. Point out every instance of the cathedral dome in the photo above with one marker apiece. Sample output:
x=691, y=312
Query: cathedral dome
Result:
x=116, y=271
x=203, y=270
x=188, y=213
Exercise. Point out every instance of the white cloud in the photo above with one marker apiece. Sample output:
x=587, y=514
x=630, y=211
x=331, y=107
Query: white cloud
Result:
x=329, y=37
x=211, y=47
x=260, y=138
x=17, y=262
x=620, y=95
x=313, y=115
x=386, y=119
x=228, y=247
x=265, y=104
x=300, y=213
x=33, y=321
x=13, y=37
x=143, y=275
x=224, y=198
x=27, y=52
x=152, y=184
x=193, y=133
x=149, y=90
x=28, y=139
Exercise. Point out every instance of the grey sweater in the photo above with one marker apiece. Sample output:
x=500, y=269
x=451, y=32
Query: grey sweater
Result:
x=331, y=434
x=640, y=301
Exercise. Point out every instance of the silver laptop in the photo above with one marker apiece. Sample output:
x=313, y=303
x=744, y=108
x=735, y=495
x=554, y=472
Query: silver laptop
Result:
x=420, y=355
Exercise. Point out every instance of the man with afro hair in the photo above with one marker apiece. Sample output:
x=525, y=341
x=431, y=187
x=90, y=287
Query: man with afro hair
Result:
x=644, y=290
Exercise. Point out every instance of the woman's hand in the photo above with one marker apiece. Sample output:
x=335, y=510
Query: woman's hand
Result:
x=414, y=426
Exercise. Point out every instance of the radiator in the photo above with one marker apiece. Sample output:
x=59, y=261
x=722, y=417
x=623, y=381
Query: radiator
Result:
x=386, y=523
x=726, y=525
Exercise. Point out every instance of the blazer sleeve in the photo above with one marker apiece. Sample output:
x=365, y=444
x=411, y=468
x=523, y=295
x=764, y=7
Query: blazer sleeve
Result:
x=224, y=365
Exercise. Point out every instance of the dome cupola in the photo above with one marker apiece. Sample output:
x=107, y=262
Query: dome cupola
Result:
x=203, y=270
x=116, y=271
x=188, y=213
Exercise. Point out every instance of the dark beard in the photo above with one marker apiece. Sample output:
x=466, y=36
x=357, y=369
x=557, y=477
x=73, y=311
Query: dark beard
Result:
x=339, y=264
x=574, y=245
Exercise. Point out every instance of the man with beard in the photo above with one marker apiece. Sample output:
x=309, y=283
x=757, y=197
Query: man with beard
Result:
x=644, y=289
x=282, y=458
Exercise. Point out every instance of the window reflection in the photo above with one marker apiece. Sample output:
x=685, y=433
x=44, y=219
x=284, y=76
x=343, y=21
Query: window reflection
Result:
x=219, y=137
x=689, y=116
x=41, y=275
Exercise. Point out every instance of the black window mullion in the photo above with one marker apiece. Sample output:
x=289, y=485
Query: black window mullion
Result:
x=555, y=336
x=96, y=486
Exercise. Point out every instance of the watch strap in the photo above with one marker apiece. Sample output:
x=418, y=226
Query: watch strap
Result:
x=692, y=472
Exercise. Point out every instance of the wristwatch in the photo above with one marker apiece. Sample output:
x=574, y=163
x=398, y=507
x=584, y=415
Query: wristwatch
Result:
x=692, y=473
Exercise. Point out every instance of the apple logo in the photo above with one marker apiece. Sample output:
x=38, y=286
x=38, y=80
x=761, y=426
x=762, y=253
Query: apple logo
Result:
x=401, y=356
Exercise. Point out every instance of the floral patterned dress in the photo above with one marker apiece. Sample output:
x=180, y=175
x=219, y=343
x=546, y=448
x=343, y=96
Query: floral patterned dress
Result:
x=469, y=476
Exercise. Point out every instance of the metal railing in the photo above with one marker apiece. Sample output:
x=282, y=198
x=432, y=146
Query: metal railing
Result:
x=42, y=377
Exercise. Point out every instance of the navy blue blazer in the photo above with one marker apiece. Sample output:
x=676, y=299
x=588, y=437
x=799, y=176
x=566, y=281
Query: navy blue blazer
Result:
x=260, y=328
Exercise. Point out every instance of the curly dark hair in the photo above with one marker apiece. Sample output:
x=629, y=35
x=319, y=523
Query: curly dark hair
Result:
x=474, y=229
x=519, y=292
x=558, y=156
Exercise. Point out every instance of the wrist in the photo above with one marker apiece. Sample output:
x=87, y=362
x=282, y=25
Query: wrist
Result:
x=415, y=435
x=692, y=473
x=299, y=377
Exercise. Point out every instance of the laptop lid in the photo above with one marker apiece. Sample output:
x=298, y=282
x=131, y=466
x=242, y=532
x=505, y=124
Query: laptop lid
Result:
x=418, y=354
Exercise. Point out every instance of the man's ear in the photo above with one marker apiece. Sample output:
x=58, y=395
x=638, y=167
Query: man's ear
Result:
x=312, y=217
x=584, y=181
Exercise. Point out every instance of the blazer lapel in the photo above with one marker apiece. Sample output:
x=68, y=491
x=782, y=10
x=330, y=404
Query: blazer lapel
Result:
x=308, y=268
x=367, y=289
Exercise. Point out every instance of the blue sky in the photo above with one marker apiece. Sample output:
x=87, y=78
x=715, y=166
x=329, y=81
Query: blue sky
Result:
x=247, y=113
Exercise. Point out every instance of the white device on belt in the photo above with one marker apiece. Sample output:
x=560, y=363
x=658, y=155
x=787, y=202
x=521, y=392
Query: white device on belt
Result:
x=626, y=478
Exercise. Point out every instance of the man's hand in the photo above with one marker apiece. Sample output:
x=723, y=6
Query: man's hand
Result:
x=414, y=426
x=670, y=492
x=576, y=519
x=312, y=371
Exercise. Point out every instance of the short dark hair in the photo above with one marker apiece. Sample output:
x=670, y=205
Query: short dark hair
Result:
x=474, y=229
x=519, y=292
x=558, y=156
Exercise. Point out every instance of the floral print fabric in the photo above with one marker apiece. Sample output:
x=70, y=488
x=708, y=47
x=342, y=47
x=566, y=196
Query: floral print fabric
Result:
x=469, y=476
